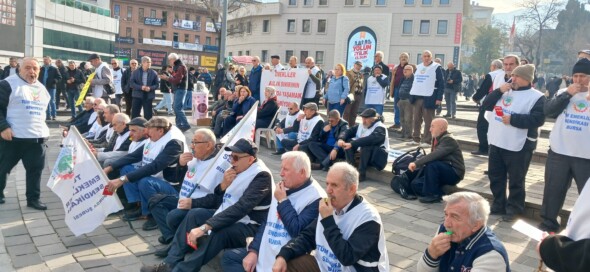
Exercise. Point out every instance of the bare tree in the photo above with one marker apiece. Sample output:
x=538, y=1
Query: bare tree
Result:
x=540, y=15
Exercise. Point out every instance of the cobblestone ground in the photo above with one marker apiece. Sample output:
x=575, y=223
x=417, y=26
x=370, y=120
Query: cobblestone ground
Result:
x=39, y=241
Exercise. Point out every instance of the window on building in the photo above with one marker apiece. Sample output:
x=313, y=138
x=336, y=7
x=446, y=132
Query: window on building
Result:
x=322, y=26
x=176, y=16
x=264, y=56
x=153, y=13
x=248, y=27
x=409, y=2
x=128, y=32
x=442, y=27
x=208, y=40
x=308, y=3
x=380, y=2
x=175, y=37
x=129, y=13
x=186, y=38
x=407, y=27
x=198, y=18
x=239, y=53
x=164, y=35
x=164, y=16
x=187, y=16
x=419, y=58
x=319, y=57
x=288, y=54
x=306, y=26
x=292, y=2
x=365, y=2
x=425, y=27
x=197, y=39
x=291, y=25
x=303, y=55
x=217, y=41
x=140, y=36
x=117, y=10
x=441, y=57
x=265, y=26
x=152, y=34
x=247, y=52
x=349, y=2
x=241, y=27
x=323, y=2
x=230, y=54
x=141, y=14
x=445, y=2
x=427, y=2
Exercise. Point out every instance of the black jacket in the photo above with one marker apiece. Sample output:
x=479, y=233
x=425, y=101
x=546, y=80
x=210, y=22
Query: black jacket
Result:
x=219, y=78
x=405, y=87
x=165, y=86
x=446, y=150
x=361, y=245
x=376, y=138
x=341, y=127
x=555, y=107
x=456, y=76
x=561, y=253
x=124, y=146
x=315, y=133
x=81, y=121
x=153, y=81
x=268, y=110
x=78, y=76
x=437, y=95
x=126, y=80
x=64, y=77
x=53, y=76
x=484, y=88
x=6, y=71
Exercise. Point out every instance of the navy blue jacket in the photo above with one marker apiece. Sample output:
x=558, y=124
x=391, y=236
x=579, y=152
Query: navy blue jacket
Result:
x=240, y=109
x=254, y=81
x=152, y=80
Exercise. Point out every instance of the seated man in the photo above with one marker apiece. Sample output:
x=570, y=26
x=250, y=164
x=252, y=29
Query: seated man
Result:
x=83, y=120
x=464, y=241
x=194, y=193
x=138, y=136
x=222, y=112
x=309, y=129
x=120, y=140
x=156, y=174
x=246, y=191
x=326, y=150
x=371, y=138
x=220, y=101
x=294, y=206
x=103, y=141
x=443, y=166
x=288, y=127
x=348, y=234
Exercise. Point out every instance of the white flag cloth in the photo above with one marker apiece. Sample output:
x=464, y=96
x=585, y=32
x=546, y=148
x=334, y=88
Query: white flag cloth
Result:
x=79, y=181
x=578, y=226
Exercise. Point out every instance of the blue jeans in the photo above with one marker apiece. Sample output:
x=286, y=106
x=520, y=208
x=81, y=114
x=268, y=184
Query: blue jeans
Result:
x=451, y=101
x=143, y=189
x=73, y=95
x=378, y=108
x=290, y=135
x=396, y=117
x=337, y=106
x=232, y=259
x=51, y=107
x=167, y=101
x=188, y=101
x=181, y=121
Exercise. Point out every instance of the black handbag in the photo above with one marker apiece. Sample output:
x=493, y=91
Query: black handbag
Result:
x=401, y=185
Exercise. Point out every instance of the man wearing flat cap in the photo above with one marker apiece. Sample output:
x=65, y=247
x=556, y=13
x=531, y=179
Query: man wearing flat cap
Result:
x=245, y=195
x=515, y=113
x=156, y=172
x=102, y=83
x=371, y=138
x=567, y=158
x=275, y=61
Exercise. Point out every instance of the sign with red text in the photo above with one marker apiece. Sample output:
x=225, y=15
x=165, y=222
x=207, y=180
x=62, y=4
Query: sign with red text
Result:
x=362, y=45
x=458, y=28
x=288, y=83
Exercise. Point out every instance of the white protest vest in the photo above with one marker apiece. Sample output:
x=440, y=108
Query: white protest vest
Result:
x=364, y=132
x=134, y=146
x=234, y=192
x=424, y=80
x=26, y=108
x=117, y=76
x=507, y=136
x=311, y=87
x=306, y=127
x=492, y=76
x=120, y=139
x=347, y=223
x=498, y=79
x=375, y=93
x=196, y=169
x=290, y=119
x=578, y=225
x=275, y=235
x=152, y=149
x=93, y=131
x=98, y=89
x=571, y=127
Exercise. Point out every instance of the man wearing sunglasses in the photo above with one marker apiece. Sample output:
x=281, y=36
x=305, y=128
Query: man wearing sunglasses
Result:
x=244, y=194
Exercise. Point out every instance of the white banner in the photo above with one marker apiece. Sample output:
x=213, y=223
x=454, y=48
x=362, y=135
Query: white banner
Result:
x=290, y=85
x=79, y=181
x=188, y=46
x=157, y=42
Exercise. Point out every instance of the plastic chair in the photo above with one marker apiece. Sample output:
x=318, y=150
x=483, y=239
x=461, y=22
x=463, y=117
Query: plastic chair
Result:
x=269, y=133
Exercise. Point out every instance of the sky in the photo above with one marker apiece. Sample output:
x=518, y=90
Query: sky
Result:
x=500, y=6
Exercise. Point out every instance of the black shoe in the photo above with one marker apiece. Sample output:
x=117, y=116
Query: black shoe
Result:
x=279, y=152
x=362, y=177
x=164, y=241
x=546, y=228
x=453, y=117
x=161, y=267
x=326, y=168
x=2, y=201
x=316, y=166
x=150, y=224
x=447, y=115
x=37, y=205
x=497, y=211
x=509, y=218
x=485, y=172
x=479, y=153
x=429, y=199
x=132, y=216
x=163, y=252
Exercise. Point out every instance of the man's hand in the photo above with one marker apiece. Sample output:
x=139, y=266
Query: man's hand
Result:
x=296, y=147
x=108, y=169
x=280, y=264
x=301, y=116
x=505, y=87
x=342, y=101
x=279, y=130
x=440, y=244
x=309, y=71
x=326, y=208
x=239, y=117
x=437, y=102
x=333, y=154
x=195, y=234
x=327, y=128
x=112, y=185
x=280, y=191
x=347, y=146
x=228, y=178
x=506, y=119
x=412, y=167
x=573, y=89
x=250, y=261
x=185, y=158
x=341, y=143
x=185, y=203
x=7, y=134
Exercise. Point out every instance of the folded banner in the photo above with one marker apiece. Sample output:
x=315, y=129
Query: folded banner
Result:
x=85, y=89
x=79, y=181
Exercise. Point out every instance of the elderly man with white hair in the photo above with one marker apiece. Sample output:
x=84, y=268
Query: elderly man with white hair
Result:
x=119, y=141
x=268, y=108
x=179, y=81
x=464, y=241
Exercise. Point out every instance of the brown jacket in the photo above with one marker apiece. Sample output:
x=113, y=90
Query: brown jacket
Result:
x=356, y=81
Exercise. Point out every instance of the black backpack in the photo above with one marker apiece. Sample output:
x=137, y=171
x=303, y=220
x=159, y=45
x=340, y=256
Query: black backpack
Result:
x=402, y=179
x=401, y=163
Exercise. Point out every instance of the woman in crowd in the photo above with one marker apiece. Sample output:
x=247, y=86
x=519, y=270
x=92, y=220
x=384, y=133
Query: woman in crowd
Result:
x=337, y=90
x=242, y=105
x=241, y=78
x=230, y=77
x=268, y=109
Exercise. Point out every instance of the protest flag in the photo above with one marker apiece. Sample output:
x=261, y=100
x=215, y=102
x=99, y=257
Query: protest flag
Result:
x=85, y=89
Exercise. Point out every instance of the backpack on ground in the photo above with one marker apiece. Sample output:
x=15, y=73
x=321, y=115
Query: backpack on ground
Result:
x=401, y=163
x=402, y=179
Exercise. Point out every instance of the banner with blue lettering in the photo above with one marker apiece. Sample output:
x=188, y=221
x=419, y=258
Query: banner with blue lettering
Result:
x=362, y=45
x=79, y=181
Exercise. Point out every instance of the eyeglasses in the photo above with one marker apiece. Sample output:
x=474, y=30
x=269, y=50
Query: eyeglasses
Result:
x=237, y=158
x=114, y=63
x=133, y=63
x=196, y=143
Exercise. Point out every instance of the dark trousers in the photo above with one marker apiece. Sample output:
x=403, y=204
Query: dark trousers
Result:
x=229, y=123
x=559, y=171
x=167, y=216
x=128, y=102
x=209, y=246
x=365, y=159
x=58, y=94
x=33, y=157
x=503, y=164
x=482, y=131
x=321, y=152
x=435, y=175
x=138, y=104
x=303, y=263
x=289, y=144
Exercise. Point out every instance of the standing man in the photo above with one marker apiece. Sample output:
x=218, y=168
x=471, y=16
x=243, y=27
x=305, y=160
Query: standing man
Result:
x=567, y=158
x=144, y=82
x=117, y=73
x=255, y=77
x=396, y=78
x=313, y=86
x=275, y=61
x=23, y=101
x=102, y=84
x=179, y=81
x=61, y=85
x=452, y=87
x=485, y=88
x=192, y=79
x=515, y=113
x=293, y=61
x=218, y=82
x=74, y=78
x=356, y=79
x=11, y=68
x=426, y=95
x=126, y=84
x=50, y=77
x=379, y=63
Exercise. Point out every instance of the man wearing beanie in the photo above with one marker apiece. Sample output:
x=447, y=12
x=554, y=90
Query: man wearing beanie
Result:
x=515, y=113
x=567, y=158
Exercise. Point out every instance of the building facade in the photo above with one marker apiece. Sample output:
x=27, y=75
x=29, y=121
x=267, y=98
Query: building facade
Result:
x=12, y=24
x=338, y=31
x=157, y=28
